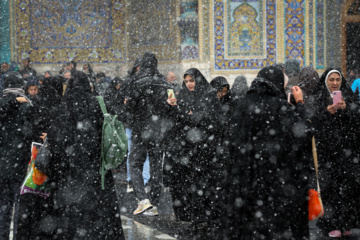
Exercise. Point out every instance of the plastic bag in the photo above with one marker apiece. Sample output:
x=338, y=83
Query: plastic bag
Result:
x=35, y=181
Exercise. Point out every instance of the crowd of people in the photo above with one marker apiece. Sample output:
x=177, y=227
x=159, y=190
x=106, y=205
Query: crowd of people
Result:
x=238, y=160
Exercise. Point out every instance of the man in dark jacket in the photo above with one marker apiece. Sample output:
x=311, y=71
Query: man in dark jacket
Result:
x=27, y=70
x=14, y=147
x=150, y=124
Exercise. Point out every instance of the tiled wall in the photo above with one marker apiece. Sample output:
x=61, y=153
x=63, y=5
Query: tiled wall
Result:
x=234, y=36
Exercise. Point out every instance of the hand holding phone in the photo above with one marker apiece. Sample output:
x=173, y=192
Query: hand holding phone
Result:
x=291, y=99
x=336, y=97
x=338, y=100
x=171, y=97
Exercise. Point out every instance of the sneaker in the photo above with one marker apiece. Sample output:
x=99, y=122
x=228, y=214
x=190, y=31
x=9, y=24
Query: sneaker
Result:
x=347, y=233
x=152, y=212
x=335, y=234
x=129, y=188
x=143, y=206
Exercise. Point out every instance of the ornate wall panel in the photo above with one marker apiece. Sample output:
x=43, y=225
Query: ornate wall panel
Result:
x=153, y=28
x=244, y=34
x=56, y=31
x=204, y=30
x=189, y=30
x=311, y=18
x=320, y=34
x=295, y=30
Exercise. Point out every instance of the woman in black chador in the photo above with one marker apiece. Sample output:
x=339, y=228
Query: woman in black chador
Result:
x=193, y=150
x=77, y=208
x=267, y=184
x=337, y=129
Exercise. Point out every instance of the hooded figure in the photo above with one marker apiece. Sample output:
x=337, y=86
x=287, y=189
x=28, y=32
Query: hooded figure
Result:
x=56, y=82
x=46, y=106
x=227, y=101
x=239, y=88
x=100, y=85
x=15, y=147
x=267, y=184
x=77, y=208
x=118, y=107
x=308, y=79
x=112, y=91
x=150, y=126
x=195, y=167
x=336, y=134
x=292, y=70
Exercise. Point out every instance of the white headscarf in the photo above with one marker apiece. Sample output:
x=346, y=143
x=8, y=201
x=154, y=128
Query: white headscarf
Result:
x=327, y=76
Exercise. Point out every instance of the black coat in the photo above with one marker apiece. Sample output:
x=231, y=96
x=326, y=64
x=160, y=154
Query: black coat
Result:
x=337, y=145
x=15, y=138
x=46, y=106
x=78, y=207
x=193, y=163
x=267, y=186
x=147, y=104
x=111, y=92
x=117, y=105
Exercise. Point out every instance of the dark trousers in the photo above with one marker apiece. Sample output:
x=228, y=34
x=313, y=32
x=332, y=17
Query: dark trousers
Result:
x=9, y=196
x=140, y=147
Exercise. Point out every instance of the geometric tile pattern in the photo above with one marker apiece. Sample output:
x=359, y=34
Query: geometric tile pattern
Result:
x=320, y=34
x=295, y=30
x=57, y=31
x=204, y=29
x=311, y=33
x=265, y=33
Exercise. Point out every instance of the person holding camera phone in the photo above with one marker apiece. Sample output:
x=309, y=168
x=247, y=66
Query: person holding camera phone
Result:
x=336, y=124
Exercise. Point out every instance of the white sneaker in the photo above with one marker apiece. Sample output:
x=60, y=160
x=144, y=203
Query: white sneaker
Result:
x=152, y=212
x=129, y=189
x=143, y=206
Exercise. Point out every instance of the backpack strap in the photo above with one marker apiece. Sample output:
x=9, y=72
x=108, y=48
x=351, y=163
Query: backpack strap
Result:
x=102, y=104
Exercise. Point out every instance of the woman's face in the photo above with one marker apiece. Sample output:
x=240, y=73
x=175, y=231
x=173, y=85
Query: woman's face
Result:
x=190, y=83
x=221, y=93
x=333, y=82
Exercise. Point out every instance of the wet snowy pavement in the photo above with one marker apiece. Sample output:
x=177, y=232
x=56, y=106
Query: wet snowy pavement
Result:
x=164, y=226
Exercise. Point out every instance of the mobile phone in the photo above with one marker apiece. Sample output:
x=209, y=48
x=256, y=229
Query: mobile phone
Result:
x=291, y=98
x=171, y=93
x=336, y=97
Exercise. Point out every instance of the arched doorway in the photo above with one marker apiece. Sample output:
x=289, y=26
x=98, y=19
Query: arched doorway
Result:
x=350, y=36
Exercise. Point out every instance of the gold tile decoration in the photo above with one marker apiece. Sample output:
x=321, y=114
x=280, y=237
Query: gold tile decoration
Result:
x=56, y=31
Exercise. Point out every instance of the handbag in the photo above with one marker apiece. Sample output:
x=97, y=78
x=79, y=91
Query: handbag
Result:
x=315, y=205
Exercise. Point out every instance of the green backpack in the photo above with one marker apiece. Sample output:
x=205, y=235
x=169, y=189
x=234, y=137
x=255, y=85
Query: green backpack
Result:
x=113, y=142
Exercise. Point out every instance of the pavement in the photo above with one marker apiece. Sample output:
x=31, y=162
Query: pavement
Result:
x=164, y=226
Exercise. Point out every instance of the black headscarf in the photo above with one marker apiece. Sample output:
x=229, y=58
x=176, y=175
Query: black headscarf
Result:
x=133, y=70
x=274, y=76
x=322, y=96
x=219, y=83
x=78, y=83
x=148, y=66
x=308, y=80
x=240, y=87
x=56, y=82
x=201, y=84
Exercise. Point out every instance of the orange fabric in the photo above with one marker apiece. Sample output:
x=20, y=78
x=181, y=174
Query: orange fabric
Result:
x=316, y=208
